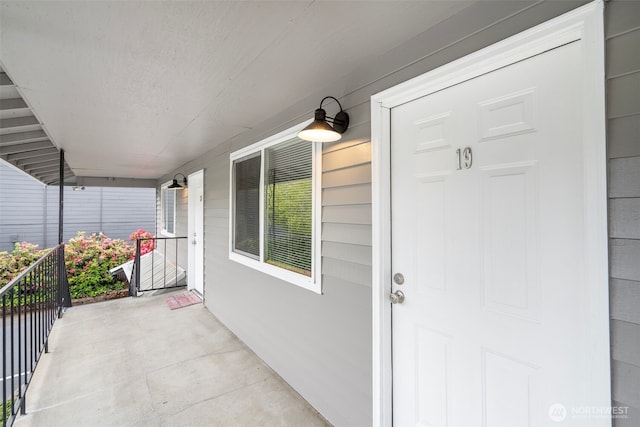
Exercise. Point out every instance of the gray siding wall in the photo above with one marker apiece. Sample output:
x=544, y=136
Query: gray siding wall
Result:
x=321, y=344
x=29, y=210
x=22, y=209
x=623, y=114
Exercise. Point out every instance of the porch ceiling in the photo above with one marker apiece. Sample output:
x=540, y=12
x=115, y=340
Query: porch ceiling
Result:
x=23, y=142
x=136, y=89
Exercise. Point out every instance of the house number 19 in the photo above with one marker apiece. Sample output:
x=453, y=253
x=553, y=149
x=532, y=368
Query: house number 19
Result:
x=464, y=158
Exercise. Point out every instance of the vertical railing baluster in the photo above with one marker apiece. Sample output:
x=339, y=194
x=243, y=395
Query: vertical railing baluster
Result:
x=45, y=292
x=41, y=327
x=52, y=272
x=25, y=337
x=40, y=305
x=164, y=266
x=4, y=362
x=20, y=344
x=13, y=364
x=34, y=320
x=36, y=293
x=32, y=323
x=176, y=263
x=24, y=374
x=49, y=280
x=43, y=305
x=137, y=268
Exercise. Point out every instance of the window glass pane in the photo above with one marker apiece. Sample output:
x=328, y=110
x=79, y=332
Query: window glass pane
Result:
x=288, y=206
x=247, y=205
x=168, y=209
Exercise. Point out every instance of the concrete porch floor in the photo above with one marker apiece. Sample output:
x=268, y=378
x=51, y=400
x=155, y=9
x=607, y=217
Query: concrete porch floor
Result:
x=134, y=362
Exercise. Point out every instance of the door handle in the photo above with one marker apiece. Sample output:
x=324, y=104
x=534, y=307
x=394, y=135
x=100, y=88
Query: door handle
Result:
x=397, y=297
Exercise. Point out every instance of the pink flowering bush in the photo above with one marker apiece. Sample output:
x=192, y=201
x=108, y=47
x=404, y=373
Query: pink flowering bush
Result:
x=146, y=246
x=89, y=259
x=23, y=255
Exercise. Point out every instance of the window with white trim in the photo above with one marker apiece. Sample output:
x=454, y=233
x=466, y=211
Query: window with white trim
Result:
x=168, y=209
x=275, y=208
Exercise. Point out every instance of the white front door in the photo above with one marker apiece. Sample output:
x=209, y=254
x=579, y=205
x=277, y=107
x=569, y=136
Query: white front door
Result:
x=196, y=231
x=488, y=226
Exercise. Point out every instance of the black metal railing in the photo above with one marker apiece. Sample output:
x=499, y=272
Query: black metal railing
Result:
x=159, y=268
x=31, y=302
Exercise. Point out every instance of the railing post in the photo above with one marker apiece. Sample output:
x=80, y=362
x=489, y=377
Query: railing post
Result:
x=59, y=280
x=64, y=296
x=133, y=288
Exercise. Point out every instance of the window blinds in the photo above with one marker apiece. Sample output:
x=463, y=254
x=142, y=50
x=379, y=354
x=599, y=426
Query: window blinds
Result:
x=247, y=205
x=289, y=206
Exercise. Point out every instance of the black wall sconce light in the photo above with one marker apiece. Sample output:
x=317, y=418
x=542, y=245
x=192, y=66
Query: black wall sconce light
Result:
x=320, y=130
x=175, y=186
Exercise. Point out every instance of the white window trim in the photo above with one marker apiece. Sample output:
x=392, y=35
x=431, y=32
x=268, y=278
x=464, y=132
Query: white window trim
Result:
x=313, y=283
x=163, y=231
x=584, y=23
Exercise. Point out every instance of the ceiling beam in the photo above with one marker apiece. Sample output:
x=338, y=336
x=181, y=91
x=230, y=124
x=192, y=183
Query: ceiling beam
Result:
x=56, y=173
x=18, y=122
x=35, y=167
x=5, y=80
x=36, y=162
x=101, y=181
x=12, y=104
x=45, y=175
x=53, y=177
x=33, y=136
x=47, y=152
x=5, y=150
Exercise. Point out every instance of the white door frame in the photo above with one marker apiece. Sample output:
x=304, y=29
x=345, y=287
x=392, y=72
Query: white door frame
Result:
x=191, y=223
x=584, y=23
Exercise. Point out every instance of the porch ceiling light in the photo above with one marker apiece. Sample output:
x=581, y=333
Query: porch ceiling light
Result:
x=175, y=186
x=320, y=130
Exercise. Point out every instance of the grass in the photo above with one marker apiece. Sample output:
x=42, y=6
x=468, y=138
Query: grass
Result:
x=8, y=406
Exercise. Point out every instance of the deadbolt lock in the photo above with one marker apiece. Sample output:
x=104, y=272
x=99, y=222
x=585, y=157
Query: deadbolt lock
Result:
x=398, y=278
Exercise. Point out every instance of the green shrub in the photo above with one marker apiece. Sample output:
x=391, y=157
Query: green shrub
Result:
x=88, y=261
x=12, y=264
x=8, y=407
